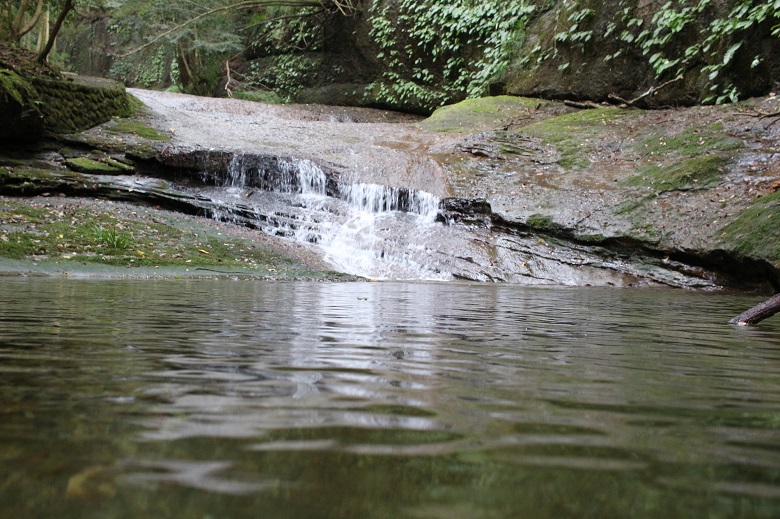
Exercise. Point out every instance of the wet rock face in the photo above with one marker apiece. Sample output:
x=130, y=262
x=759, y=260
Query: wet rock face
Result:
x=267, y=172
x=468, y=211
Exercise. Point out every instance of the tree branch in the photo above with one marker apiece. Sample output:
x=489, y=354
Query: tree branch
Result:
x=68, y=7
x=20, y=31
x=650, y=92
x=759, y=312
x=19, y=18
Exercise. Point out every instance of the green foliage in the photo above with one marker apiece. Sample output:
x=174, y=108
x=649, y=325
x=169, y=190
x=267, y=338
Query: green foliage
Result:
x=111, y=236
x=443, y=49
x=681, y=35
x=277, y=30
x=285, y=77
x=156, y=37
x=143, y=70
x=573, y=34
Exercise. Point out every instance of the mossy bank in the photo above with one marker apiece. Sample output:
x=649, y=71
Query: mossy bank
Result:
x=37, y=100
x=696, y=184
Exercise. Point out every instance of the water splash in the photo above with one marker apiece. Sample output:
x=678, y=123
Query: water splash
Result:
x=363, y=229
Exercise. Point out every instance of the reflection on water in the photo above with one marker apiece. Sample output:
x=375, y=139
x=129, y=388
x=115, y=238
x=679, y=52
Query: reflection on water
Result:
x=233, y=399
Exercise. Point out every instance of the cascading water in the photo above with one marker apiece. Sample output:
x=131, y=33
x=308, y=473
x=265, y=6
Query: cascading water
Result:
x=364, y=229
x=392, y=233
x=385, y=232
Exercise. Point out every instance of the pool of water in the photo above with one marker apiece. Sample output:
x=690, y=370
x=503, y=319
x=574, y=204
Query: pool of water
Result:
x=246, y=399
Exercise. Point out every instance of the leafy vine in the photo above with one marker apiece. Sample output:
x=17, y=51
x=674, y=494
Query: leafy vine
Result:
x=717, y=43
x=437, y=50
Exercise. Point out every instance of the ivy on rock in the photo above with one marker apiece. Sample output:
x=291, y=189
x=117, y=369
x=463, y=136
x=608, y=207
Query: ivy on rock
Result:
x=435, y=51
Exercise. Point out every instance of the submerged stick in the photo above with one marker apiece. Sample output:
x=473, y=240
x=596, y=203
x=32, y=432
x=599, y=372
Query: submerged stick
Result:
x=758, y=313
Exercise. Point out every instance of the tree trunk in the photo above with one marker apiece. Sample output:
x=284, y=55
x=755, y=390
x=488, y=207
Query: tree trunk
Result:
x=758, y=313
x=43, y=31
x=67, y=8
x=18, y=27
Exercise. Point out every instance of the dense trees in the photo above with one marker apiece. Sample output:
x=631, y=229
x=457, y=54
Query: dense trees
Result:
x=418, y=54
x=19, y=18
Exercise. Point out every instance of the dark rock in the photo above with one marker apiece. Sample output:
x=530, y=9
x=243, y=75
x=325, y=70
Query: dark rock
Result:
x=468, y=211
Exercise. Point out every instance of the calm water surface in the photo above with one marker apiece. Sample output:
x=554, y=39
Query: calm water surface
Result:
x=245, y=399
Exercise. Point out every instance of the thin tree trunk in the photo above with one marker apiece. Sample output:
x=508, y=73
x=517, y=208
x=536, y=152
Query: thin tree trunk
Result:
x=17, y=28
x=43, y=31
x=758, y=313
x=67, y=8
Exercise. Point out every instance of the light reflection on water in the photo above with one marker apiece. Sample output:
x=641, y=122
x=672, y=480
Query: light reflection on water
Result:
x=220, y=398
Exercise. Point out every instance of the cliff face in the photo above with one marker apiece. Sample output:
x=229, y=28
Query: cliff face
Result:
x=609, y=59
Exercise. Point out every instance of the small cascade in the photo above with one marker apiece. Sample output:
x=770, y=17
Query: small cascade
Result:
x=275, y=174
x=396, y=233
x=374, y=198
x=364, y=229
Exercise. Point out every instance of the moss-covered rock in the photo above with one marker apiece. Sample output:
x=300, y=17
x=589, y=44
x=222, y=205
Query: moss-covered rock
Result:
x=137, y=128
x=105, y=166
x=473, y=115
x=693, y=172
x=35, y=99
x=756, y=231
x=574, y=134
x=80, y=103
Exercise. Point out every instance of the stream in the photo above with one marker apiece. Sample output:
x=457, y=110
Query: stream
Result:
x=245, y=399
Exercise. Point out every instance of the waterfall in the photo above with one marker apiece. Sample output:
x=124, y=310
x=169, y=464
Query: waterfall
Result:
x=275, y=174
x=375, y=198
x=362, y=228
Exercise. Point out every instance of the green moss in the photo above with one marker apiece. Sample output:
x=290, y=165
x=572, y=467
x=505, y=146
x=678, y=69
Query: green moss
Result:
x=542, y=222
x=629, y=206
x=129, y=126
x=10, y=175
x=76, y=105
x=13, y=86
x=572, y=134
x=473, y=115
x=86, y=165
x=135, y=105
x=99, y=236
x=691, y=142
x=699, y=171
x=756, y=231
